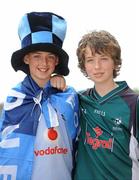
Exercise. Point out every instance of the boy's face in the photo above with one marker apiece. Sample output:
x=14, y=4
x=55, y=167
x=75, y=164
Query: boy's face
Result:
x=99, y=67
x=41, y=66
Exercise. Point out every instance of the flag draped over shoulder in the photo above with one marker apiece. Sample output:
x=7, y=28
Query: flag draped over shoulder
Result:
x=22, y=110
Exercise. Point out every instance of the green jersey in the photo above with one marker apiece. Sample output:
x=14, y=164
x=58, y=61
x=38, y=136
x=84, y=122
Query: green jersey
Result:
x=109, y=140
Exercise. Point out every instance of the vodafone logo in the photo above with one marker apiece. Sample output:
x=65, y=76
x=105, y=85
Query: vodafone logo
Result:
x=51, y=151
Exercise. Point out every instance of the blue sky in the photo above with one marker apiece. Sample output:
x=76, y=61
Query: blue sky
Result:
x=116, y=16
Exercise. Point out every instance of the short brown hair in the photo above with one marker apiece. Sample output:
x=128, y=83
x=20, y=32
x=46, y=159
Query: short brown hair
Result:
x=100, y=42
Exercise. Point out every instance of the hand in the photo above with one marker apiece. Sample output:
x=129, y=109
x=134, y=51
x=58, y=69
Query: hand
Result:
x=58, y=81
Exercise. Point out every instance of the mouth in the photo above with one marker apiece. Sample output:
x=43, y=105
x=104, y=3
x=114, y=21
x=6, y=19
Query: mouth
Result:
x=43, y=69
x=98, y=75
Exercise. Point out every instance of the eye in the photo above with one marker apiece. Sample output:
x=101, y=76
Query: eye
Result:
x=51, y=56
x=104, y=59
x=36, y=56
x=89, y=60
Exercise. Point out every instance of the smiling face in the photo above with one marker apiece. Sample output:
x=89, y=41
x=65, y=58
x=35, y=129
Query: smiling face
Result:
x=41, y=66
x=99, y=67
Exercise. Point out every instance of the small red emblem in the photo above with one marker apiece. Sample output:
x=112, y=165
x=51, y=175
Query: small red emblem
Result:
x=52, y=134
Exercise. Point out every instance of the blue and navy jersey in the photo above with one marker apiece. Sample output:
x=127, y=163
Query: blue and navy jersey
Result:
x=38, y=131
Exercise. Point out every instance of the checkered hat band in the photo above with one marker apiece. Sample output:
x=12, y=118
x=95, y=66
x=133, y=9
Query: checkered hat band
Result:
x=24, y=28
x=56, y=26
x=41, y=37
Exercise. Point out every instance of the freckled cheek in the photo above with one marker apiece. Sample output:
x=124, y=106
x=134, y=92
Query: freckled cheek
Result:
x=88, y=69
x=110, y=69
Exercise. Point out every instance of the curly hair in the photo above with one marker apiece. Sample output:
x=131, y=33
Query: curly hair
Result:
x=100, y=42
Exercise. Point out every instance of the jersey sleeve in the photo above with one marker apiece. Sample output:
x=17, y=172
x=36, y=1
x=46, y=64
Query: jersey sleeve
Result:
x=137, y=120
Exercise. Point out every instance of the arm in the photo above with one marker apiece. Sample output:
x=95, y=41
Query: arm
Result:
x=137, y=120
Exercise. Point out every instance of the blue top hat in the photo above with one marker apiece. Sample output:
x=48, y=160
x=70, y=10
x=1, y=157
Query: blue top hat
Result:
x=41, y=31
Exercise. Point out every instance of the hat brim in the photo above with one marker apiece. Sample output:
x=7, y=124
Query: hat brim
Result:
x=18, y=62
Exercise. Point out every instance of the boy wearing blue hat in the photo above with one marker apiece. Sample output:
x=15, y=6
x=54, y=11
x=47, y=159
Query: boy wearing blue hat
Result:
x=39, y=122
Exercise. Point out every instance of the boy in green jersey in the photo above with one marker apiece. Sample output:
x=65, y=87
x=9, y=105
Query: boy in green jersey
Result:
x=109, y=139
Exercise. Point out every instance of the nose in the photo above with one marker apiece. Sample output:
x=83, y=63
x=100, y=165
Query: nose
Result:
x=44, y=61
x=97, y=64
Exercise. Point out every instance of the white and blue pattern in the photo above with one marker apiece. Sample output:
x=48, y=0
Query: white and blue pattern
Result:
x=22, y=110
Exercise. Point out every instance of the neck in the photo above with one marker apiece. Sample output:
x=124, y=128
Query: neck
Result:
x=104, y=89
x=40, y=82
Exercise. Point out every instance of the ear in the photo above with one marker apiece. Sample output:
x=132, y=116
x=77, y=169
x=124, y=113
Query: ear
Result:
x=26, y=59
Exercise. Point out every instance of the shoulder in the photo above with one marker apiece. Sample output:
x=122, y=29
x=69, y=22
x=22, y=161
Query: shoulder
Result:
x=86, y=92
x=138, y=101
x=69, y=93
x=70, y=90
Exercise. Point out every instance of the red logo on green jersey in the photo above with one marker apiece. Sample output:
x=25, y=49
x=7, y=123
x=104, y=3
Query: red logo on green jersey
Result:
x=96, y=142
x=98, y=131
